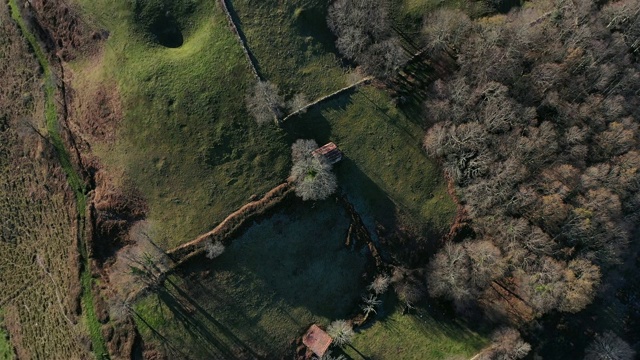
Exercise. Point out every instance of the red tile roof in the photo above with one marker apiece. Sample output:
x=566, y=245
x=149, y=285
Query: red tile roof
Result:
x=317, y=340
x=330, y=152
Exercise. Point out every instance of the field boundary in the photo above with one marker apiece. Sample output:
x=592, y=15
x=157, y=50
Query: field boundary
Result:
x=241, y=39
x=336, y=93
x=230, y=224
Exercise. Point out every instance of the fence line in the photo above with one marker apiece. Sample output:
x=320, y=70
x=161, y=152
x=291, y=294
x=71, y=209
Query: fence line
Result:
x=326, y=97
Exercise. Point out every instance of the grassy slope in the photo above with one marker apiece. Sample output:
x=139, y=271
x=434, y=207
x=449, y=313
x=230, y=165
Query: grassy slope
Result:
x=186, y=141
x=282, y=275
x=293, y=45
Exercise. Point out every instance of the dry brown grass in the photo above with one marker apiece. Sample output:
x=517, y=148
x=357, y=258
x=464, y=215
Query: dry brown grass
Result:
x=38, y=257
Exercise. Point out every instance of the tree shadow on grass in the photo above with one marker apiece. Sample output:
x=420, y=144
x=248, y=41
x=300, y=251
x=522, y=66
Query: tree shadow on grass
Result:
x=370, y=201
x=413, y=82
x=313, y=124
x=209, y=334
x=312, y=22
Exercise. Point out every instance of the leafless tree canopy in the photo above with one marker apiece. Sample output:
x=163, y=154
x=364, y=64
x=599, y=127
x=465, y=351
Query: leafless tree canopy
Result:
x=264, y=102
x=213, y=249
x=538, y=128
x=341, y=331
x=363, y=32
x=298, y=102
x=311, y=175
x=380, y=284
x=506, y=345
x=610, y=347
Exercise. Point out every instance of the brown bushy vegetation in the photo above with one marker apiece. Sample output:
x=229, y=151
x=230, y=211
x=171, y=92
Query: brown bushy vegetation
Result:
x=538, y=128
x=62, y=30
x=507, y=345
x=38, y=238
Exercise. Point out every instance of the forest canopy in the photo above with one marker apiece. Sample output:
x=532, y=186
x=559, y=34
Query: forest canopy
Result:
x=538, y=130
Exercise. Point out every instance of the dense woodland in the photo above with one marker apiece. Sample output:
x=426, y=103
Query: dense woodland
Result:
x=537, y=128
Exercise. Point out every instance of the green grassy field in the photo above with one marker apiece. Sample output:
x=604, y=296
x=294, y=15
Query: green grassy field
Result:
x=293, y=45
x=385, y=171
x=270, y=284
x=186, y=141
x=423, y=334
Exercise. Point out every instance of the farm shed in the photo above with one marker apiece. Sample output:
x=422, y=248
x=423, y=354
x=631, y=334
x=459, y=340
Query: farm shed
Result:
x=317, y=340
x=329, y=152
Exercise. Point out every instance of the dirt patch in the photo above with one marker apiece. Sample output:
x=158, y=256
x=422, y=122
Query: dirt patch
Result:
x=461, y=226
x=112, y=211
x=61, y=29
x=97, y=113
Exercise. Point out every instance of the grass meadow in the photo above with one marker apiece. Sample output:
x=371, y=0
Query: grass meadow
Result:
x=425, y=333
x=385, y=173
x=283, y=274
x=187, y=143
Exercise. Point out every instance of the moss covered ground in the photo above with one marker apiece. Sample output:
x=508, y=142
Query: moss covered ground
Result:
x=6, y=348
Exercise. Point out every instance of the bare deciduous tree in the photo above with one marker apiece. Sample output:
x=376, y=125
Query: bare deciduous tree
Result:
x=582, y=277
x=341, y=331
x=302, y=148
x=446, y=29
x=264, y=102
x=449, y=274
x=364, y=34
x=609, y=346
x=384, y=58
x=380, y=284
x=298, y=102
x=487, y=263
x=312, y=176
x=213, y=249
x=506, y=345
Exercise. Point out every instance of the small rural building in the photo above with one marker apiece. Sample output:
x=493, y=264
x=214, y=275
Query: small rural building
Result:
x=329, y=152
x=317, y=340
